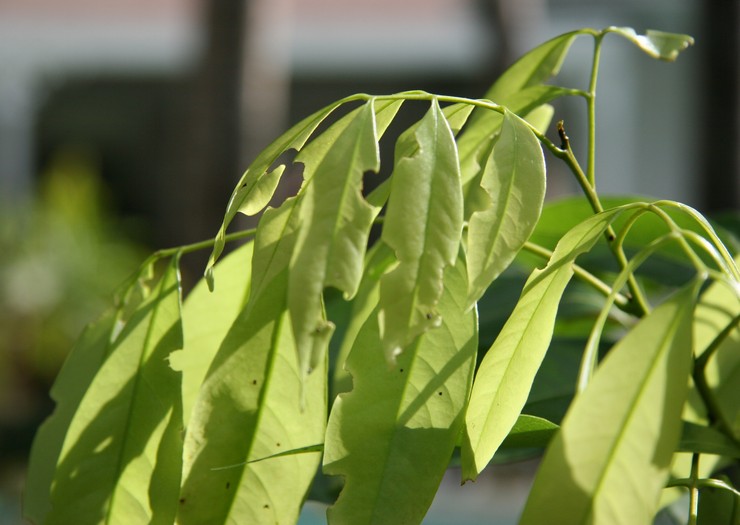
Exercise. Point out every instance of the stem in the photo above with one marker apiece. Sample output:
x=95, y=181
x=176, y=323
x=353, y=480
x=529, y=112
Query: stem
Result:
x=591, y=111
x=600, y=286
x=640, y=304
x=694, y=490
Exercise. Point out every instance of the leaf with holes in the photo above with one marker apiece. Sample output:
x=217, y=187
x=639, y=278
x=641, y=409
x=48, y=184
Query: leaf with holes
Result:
x=393, y=435
x=423, y=225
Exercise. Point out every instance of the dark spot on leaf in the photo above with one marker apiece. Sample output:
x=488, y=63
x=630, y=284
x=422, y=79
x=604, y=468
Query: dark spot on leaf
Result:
x=182, y=500
x=277, y=444
x=401, y=370
x=610, y=237
x=254, y=381
x=429, y=316
x=228, y=484
x=266, y=506
x=439, y=393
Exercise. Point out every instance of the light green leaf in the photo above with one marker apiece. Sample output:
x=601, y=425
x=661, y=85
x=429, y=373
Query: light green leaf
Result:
x=335, y=224
x=507, y=371
x=423, y=225
x=540, y=117
x=718, y=307
x=379, y=258
x=514, y=179
x=457, y=115
x=257, y=185
x=121, y=458
x=393, y=435
x=207, y=317
x=249, y=405
x=611, y=458
x=75, y=377
x=657, y=44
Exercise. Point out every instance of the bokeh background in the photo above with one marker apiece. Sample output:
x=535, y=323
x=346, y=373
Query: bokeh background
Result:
x=125, y=125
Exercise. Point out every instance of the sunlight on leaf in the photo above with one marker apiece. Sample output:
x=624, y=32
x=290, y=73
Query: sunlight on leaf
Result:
x=423, y=225
x=393, y=435
x=514, y=178
x=122, y=452
x=611, y=458
x=657, y=44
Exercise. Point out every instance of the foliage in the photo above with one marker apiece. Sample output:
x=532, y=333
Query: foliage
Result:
x=257, y=394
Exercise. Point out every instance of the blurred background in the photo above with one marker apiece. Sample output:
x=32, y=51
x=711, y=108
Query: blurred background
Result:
x=125, y=125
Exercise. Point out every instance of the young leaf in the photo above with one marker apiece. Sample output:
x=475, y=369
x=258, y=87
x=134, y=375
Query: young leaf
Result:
x=707, y=440
x=611, y=458
x=257, y=185
x=249, y=405
x=122, y=452
x=393, y=435
x=657, y=44
x=206, y=318
x=506, y=373
x=530, y=432
x=514, y=179
x=423, y=225
x=75, y=377
x=335, y=224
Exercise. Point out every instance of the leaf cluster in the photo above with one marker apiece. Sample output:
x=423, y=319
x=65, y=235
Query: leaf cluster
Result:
x=326, y=347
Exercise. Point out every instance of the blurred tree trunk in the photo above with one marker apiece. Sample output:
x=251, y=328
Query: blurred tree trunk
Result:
x=720, y=112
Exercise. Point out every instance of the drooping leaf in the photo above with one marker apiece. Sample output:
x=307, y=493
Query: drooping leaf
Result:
x=657, y=44
x=78, y=372
x=514, y=178
x=207, y=317
x=423, y=225
x=506, y=373
x=249, y=405
x=335, y=223
x=257, y=185
x=393, y=435
x=121, y=457
x=611, y=458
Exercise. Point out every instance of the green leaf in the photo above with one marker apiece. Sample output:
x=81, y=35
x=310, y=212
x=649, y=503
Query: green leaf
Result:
x=657, y=44
x=75, y=377
x=379, y=259
x=335, y=224
x=611, y=458
x=707, y=440
x=207, y=317
x=393, y=435
x=718, y=307
x=530, y=432
x=423, y=225
x=514, y=179
x=121, y=457
x=257, y=185
x=505, y=375
x=249, y=407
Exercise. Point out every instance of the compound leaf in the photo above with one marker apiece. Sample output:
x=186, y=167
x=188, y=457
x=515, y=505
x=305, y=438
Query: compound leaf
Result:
x=423, y=225
x=611, y=458
x=514, y=179
x=393, y=435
